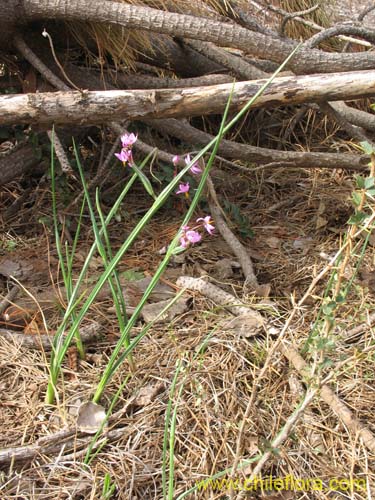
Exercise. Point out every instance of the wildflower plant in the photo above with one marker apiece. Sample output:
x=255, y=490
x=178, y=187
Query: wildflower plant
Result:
x=77, y=307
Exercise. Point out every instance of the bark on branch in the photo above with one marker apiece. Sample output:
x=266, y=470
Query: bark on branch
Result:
x=234, y=150
x=186, y=26
x=103, y=106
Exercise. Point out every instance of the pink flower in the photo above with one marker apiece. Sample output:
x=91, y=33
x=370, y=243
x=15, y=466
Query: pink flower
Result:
x=207, y=223
x=175, y=160
x=195, y=168
x=128, y=140
x=183, y=189
x=189, y=236
x=193, y=236
x=125, y=156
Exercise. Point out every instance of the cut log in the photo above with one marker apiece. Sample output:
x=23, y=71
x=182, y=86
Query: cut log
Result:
x=95, y=107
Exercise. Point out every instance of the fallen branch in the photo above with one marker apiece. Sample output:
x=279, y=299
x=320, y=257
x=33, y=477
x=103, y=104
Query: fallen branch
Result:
x=234, y=243
x=234, y=150
x=89, y=334
x=186, y=26
x=330, y=398
x=218, y=295
x=350, y=335
x=89, y=107
x=66, y=438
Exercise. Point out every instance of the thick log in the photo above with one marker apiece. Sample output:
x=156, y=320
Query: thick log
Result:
x=106, y=106
x=197, y=28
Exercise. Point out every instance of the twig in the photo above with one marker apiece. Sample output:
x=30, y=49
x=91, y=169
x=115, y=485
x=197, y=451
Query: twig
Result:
x=281, y=437
x=331, y=399
x=355, y=132
x=340, y=29
x=366, y=11
x=66, y=437
x=89, y=334
x=358, y=330
x=234, y=150
x=326, y=393
x=238, y=249
x=47, y=35
x=292, y=15
x=39, y=65
x=236, y=64
x=218, y=295
x=311, y=24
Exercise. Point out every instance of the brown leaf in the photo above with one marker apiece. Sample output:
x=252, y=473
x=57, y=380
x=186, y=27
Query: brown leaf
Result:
x=151, y=311
x=148, y=394
x=245, y=325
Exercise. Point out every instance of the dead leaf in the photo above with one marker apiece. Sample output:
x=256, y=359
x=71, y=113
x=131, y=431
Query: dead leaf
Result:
x=320, y=222
x=96, y=263
x=17, y=269
x=245, y=325
x=72, y=358
x=148, y=394
x=29, y=82
x=34, y=329
x=17, y=317
x=151, y=311
x=161, y=291
x=263, y=290
x=90, y=417
x=223, y=268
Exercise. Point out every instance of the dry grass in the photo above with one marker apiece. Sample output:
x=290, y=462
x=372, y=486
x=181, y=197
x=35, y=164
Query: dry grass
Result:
x=122, y=46
x=218, y=382
x=298, y=216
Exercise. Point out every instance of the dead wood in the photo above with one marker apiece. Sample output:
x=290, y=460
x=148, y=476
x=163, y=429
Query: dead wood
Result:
x=331, y=399
x=223, y=34
x=234, y=150
x=355, y=116
x=16, y=162
x=103, y=106
x=236, y=64
x=66, y=439
x=351, y=334
x=340, y=29
x=232, y=240
x=353, y=131
x=89, y=334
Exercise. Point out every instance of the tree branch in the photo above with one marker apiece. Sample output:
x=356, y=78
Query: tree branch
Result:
x=103, y=106
x=181, y=25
